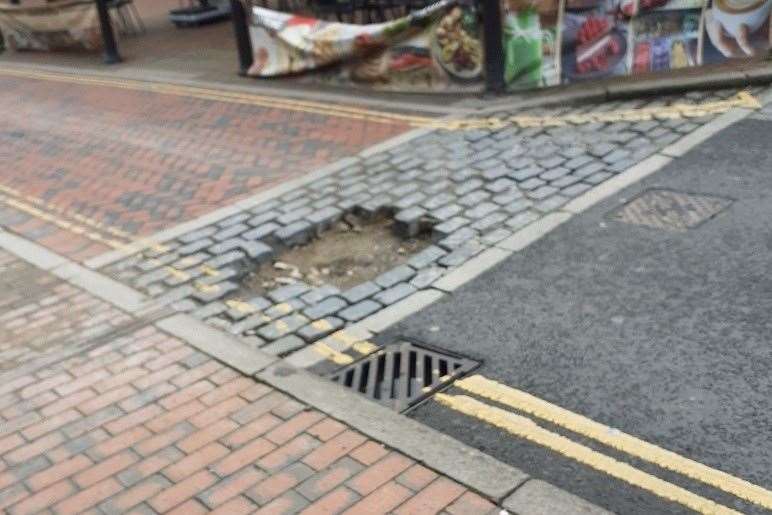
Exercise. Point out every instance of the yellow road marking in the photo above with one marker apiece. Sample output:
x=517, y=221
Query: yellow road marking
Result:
x=208, y=270
x=742, y=99
x=63, y=224
x=352, y=342
x=179, y=274
x=331, y=354
x=364, y=347
x=22, y=198
x=241, y=306
x=526, y=428
x=226, y=96
x=615, y=439
x=321, y=325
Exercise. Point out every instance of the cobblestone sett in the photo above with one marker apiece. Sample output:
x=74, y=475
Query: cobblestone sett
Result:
x=361, y=292
x=359, y=311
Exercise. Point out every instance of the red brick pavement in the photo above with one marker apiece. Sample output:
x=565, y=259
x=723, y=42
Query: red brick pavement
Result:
x=147, y=424
x=114, y=418
x=141, y=161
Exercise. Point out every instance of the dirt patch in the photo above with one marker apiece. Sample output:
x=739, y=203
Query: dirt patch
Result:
x=350, y=253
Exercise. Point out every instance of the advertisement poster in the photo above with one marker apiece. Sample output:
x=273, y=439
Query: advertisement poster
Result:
x=736, y=29
x=530, y=43
x=665, y=39
x=595, y=40
x=545, y=43
x=438, y=48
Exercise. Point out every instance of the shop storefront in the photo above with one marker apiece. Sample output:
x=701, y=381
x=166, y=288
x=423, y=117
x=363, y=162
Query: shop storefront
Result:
x=446, y=46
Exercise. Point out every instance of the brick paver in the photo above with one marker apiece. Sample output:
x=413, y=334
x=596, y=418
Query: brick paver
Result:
x=40, y=314
x=140, y=161
x=144, y=423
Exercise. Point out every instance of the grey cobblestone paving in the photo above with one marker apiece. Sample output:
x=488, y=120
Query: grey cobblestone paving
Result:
x=471, y=188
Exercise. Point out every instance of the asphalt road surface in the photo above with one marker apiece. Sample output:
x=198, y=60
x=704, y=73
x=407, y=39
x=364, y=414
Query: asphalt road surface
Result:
x=663, y=334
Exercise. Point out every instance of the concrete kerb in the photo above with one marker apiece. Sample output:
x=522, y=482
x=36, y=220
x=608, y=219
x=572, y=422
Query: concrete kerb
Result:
x=436, y=450
x=537, y=497
x=102, y=287
x=402, y=309
x=631, y=89
x=30, y=252
x=216, y=344
x=701, y=134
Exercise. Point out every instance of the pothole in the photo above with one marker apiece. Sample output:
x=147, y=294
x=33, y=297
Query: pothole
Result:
x=353, y=251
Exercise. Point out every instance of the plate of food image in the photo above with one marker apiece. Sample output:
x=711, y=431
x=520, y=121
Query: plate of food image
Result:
x=456, y=45
x=598, y=49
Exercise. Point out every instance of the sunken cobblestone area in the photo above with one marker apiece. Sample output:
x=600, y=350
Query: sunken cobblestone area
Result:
x=473, y=189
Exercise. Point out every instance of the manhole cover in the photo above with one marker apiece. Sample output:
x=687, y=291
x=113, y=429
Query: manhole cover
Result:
x=671, y=210
x=400, y=375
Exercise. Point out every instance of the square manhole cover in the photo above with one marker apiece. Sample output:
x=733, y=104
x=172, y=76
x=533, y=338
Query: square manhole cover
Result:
x=400, y=375
x=670, y=210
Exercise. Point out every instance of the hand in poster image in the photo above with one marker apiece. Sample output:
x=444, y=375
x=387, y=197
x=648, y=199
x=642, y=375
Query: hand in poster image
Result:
x=738, y=28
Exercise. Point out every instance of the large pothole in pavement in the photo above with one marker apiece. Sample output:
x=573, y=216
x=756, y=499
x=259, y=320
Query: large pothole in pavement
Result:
x=335, y=276
x=352, y=252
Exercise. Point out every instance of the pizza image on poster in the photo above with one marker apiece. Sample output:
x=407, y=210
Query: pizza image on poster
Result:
x=594, y=41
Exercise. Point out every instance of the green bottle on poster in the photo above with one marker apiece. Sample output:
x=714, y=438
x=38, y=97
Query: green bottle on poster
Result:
x=523, y=48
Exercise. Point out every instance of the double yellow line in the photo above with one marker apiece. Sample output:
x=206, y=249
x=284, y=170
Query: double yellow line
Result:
x=526, y=428
x=743, y=99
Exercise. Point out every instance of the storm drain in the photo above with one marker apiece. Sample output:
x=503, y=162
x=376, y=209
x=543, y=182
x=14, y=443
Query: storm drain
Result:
x=670, y=210
x=401, y=375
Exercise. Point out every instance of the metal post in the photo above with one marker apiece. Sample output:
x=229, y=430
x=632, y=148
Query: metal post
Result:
x=241, y=32
x=493, y=40
x=111, y=55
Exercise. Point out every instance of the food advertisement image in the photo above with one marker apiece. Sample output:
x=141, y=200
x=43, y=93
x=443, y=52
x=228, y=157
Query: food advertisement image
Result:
x=448, y=53
x=736, y=29
x=665, y=40
x=530, y=43
x=438, y=48
x=594, y=40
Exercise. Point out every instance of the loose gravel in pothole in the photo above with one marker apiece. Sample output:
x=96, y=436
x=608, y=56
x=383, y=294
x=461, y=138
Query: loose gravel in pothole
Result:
x=352, y=252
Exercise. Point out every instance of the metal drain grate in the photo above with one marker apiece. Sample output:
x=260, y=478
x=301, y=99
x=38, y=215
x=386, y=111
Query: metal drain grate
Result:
x=401, y=375
x=670, y=210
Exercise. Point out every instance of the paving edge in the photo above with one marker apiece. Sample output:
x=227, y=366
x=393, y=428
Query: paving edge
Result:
x=216, y=343
x=537, y=497
x=112, y=256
